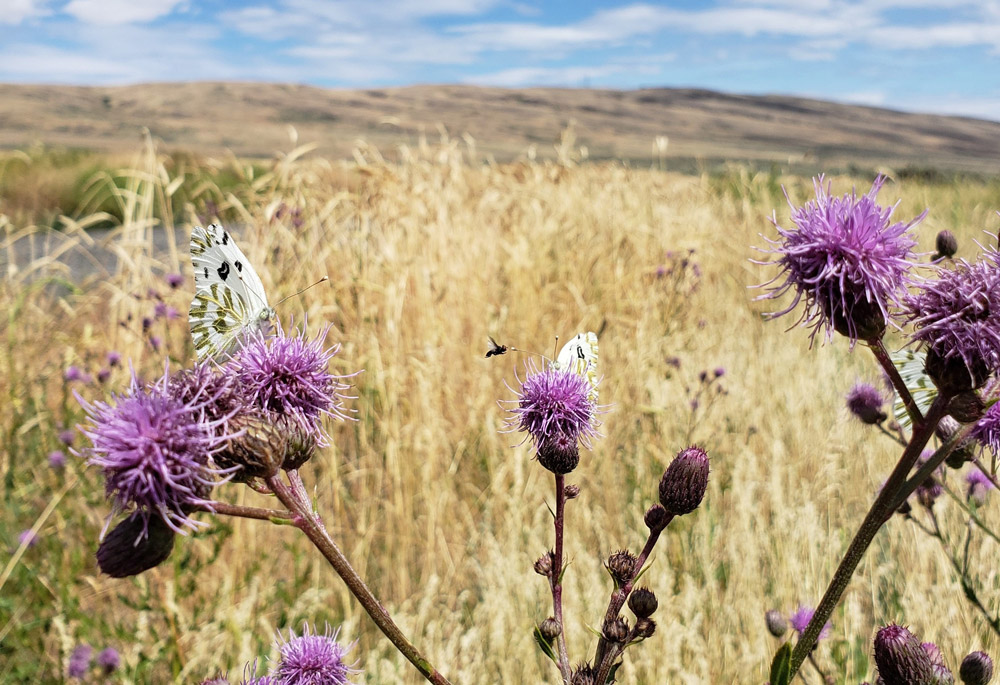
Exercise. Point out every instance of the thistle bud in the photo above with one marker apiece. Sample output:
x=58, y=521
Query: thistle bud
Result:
x=572, y=491
x=259, y=451
x=900, y=658
x=584, y=674
x=966, y=407
x=644, y=628
x=776, y=623
x=549, y=629
x=621, y=566
x=656, y=517
x=559, y=453
x=946, y=245
x=952, y=375
x=684, y=482
x=544, y=564
x=963, y=452
x=941, y=675
x=642, y=602
x=616, y=631
x=300, y=444
x=119, y=556
x=865, y=402
x=976, y=669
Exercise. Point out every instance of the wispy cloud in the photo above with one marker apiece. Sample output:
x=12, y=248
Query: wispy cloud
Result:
x=120, y=11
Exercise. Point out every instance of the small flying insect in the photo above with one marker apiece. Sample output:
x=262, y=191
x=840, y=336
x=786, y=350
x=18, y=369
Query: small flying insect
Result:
x=495, y=348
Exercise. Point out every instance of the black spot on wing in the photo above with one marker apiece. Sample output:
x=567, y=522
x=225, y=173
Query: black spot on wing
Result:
x=206, y=272
x=225, y=238
x=239, y=265
x=223, y=270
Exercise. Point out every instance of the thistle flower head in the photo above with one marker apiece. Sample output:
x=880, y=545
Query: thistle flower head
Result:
x=976, y=669
x=987, y=429
x=79, y=661
x=154, y=449
x=977, y=486
x=801, y=618
x=57, y=459
x=554, y=409
x=290, y=375
x=865, y=402
x=684, y=482
x=845, y=259
x=957, y=318
x=313, y=659
x=109, y=660
x=900, y=657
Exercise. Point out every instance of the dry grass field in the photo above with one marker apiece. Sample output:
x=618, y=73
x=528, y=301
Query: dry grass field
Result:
x=427, y=256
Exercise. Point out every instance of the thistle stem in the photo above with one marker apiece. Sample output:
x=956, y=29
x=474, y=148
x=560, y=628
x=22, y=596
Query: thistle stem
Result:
x=882, y=355
x=555, y=580
x=245, y=512
x=879, y=513
x=308, y=522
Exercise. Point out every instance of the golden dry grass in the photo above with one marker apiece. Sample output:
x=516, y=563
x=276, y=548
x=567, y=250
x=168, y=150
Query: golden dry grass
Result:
x=429, y=501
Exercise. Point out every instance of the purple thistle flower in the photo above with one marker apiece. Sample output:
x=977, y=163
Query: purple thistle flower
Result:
x=160, y=310
x=27, y=538
x=289, y=375
x=79, y=661
x=800, y=620
x=313, y=659
x=57, y=459
x=67, y=436
x=114, y=359
x=553, y=404
x=73, y=373
x=987, y=429
x=900, y=657
x=155, y=342
x=865, y=402
x=174, y=280
x=109, y=660
x=978, y=485
x=154, y=449
x=845, y=259
x=957, y=318
x=250, y=676
x=103, y=375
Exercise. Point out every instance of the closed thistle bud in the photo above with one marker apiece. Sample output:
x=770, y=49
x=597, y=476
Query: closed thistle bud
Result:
x=776, y=623
x=966, y=407
x=684, y=482
x=544, y=563
x=656, y=517
x=300, y=444
x=644, y=628
x=900, y=658
x=621, y=566
x=941, y=675
x=584, y=674
x=642, y=602
x=976, y=669
x=549, y=629
x=572, y=491
x=616, y=631
x=953, y=375
x=559, y=453
x=946, y=245
x=259, y=451
x=119, y=556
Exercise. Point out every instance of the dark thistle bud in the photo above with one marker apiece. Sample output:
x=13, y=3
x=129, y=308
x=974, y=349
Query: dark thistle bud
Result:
x=559, y=453
x=900, y=658
x=953, y=375
x=776, y=623
x=258, y=452
x=963, y=452
x=549, y=629
x=621, y=566
x=616, y=631
x=865, y=402
x=684, y=482
x=656, y=517
x=544, y=563
x=642, y=602
x=644, y=628
x=946, y=245
x=976, y=669
x=966, y=407
x=119, y=556
x=572, y=491
x=584, y=674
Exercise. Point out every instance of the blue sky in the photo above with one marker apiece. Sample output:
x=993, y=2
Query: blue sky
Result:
x=916, y=55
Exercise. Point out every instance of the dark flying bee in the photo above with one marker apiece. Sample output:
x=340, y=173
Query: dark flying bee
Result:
x=495, y=348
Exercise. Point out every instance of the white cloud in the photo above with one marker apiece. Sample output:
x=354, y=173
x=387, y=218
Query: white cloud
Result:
x=939, y=35
x=120, y=11
x=16, y=11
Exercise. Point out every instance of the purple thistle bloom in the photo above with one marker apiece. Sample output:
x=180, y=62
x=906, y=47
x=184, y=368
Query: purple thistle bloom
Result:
x=800, y=620
x=67, y=436
x=865, y=402
x=987, y=429
x=73, y=373
x=978, y=485
x=154, y=449
x=553, y=403
x=57, y=459
x=845, y=259
x=109, y=660
x=103, y=375
x=155, y=342
x=289, y=375
x=114, y=359
x=79, y=661
x=160, y=310
x=250, y=676
x=957, y=318
x=27, y=538
x=174, y=280
x=313, y=659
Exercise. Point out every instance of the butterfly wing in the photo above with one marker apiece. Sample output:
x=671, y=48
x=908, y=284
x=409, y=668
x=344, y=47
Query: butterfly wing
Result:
x=911, y=369
x=229, y=298
x=580, y=356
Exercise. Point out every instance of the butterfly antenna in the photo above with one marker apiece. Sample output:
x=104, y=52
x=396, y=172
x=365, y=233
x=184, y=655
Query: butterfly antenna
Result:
x=325, y=278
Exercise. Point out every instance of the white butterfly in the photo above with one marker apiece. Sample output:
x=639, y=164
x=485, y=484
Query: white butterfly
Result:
x=229, y=300
x=580, y=356
x=911, y=369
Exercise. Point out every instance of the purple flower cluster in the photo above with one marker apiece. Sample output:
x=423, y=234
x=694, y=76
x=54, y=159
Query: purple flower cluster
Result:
x=801, y=618
x=865, y=402
x=845, y=259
